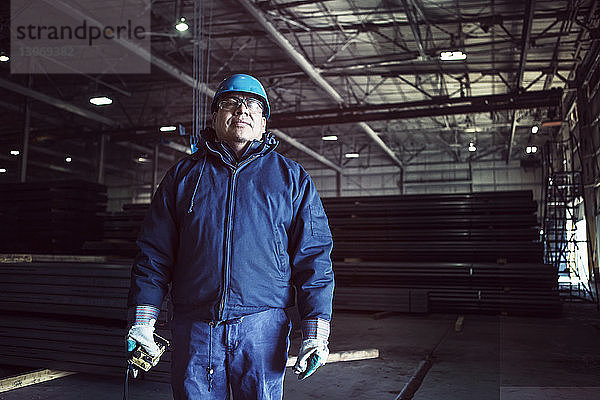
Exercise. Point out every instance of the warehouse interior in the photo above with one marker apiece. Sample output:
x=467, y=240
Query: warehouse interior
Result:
x=455, y=146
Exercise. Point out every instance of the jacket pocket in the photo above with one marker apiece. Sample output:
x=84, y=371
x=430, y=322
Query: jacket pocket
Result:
x=319, y=225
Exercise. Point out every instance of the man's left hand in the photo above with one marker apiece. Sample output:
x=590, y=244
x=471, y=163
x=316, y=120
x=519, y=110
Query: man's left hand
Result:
x=313, y=354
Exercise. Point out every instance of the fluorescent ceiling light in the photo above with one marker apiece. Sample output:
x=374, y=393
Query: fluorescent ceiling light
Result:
x=100, y=101
x=15, y=152
x=351, y=155
x=181, y=25
x=68, y=159
x=2, y=170
x=531, y=149
x=472, y=147
x=142, y=159
x=169, y=128
x=330, y=137
x=452, y=55
x=535, y=129
x=4, y=58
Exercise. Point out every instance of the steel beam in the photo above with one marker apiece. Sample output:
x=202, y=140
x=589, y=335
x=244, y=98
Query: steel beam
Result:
x=525, y=38
x=159, y=63
x=410, y=15
x=82, y=160
x=295, y=143
x=45, y=166
x=146, y=150
x=34, y=115
x=525, y=35
x=178, y=147
x=417, y=109
x=63, y=105
x=308, y=68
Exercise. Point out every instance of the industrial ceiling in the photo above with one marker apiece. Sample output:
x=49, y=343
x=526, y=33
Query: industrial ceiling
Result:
x=370, y=72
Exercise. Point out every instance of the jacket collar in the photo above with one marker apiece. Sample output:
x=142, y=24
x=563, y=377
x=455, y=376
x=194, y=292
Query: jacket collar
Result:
x=223, y=150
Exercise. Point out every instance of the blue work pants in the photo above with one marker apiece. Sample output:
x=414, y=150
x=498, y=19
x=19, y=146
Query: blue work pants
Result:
x=246, y=354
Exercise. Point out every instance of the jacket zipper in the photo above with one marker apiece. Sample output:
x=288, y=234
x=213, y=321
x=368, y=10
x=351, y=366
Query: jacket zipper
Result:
x=229, y=229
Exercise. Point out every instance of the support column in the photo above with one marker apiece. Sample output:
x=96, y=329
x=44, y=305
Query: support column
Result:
x=26, y=130
x=102, y=150
x=155, y=168
x=338, y=184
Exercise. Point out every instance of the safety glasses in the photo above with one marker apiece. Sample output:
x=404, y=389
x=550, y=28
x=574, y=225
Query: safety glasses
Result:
x=253, y=105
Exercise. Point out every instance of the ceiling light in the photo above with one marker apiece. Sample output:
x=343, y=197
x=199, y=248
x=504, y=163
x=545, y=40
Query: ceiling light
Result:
x=2, y=170
x=4, y=58
x=330, y=137
x=101, y=101
x=531, y=149
x=472, y=147
x=351, y=155
x=181, y=25
x=169, y=128
x=15, y=152
x=142, y=160
x=68, y=159
x=452, y=55
x=535, y=129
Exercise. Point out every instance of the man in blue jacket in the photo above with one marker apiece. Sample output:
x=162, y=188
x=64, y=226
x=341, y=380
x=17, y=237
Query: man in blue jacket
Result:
x=239, y=232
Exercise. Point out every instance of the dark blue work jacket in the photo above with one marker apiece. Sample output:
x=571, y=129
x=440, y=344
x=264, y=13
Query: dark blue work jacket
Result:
x=234, y=237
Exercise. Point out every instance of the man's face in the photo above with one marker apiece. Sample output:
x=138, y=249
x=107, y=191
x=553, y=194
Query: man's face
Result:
x=238, y=124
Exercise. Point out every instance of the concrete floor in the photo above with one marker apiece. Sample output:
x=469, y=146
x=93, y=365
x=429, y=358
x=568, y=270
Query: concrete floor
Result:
x=493, y=357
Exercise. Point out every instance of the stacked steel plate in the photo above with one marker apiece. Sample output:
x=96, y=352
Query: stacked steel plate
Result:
x=120, y=231
x=477, y=252
x=50, y=217
x=68, y=316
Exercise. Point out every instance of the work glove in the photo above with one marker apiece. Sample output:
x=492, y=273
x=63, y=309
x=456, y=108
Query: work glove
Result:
x=313, y=353
x=144, y=335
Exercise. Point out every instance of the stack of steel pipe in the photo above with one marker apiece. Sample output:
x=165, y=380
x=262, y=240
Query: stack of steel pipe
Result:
x=476, y=252
x=50, y=217
x=69, y=316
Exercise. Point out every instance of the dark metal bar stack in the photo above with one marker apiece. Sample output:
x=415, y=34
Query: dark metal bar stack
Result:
x=50, y=217
x=69, y=316
x=120, y=231
x=476, y=252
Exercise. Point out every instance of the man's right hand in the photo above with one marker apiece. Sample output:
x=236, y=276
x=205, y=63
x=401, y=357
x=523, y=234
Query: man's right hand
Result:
x=144, y=335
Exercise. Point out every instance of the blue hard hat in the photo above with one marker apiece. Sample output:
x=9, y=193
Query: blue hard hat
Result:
x=245, y=84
